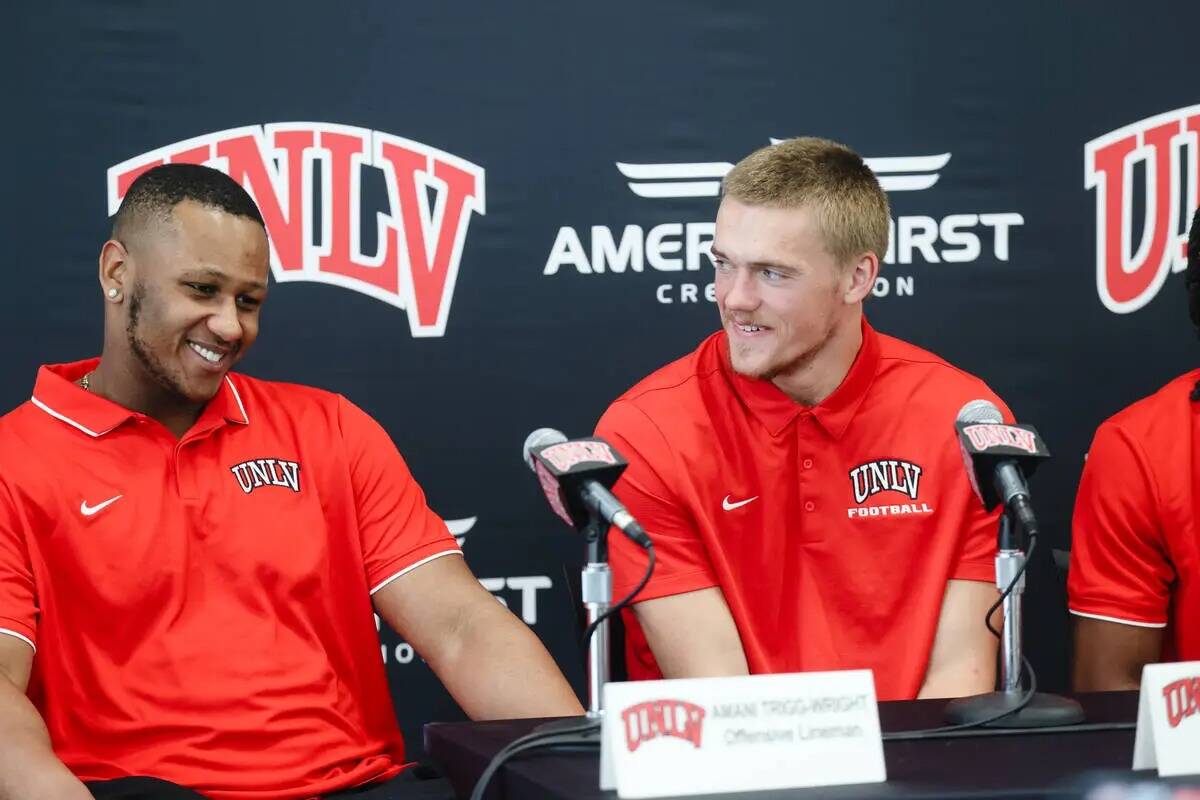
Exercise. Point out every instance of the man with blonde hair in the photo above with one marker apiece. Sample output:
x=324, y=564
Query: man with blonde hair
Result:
x=799, y=472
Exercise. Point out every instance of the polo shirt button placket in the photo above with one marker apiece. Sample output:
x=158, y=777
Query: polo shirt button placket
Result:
x=805, y=430
x=185, y=478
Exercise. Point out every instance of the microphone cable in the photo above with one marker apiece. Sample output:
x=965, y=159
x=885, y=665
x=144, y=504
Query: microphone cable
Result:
x=585, y=735
x=1026, y=669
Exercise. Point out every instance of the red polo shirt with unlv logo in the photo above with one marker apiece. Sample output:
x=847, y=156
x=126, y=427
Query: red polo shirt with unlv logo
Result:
x=831, y=530
x=200, y=608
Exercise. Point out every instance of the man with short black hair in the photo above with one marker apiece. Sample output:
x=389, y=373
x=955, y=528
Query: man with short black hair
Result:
x=190, y=558
x=799, y=472
x=1134, y=581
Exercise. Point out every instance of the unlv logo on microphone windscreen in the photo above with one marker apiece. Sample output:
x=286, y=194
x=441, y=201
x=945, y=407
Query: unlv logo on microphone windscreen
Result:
x=1159, y=156
x=430, y=197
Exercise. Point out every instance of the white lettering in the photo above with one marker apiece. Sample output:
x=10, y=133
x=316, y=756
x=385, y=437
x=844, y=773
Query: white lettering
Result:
x=699, y=236
x=528, y=586
x=1001, y=222
x=657, y=246
x=953, y=235
x=918, y=233
x=567, y=250
x=607, y=254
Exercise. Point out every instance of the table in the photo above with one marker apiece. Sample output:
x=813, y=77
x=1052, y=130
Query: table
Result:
x=984, y=764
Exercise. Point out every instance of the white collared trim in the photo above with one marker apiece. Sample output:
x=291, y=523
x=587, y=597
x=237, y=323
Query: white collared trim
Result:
x=24, y=639
x=1118, y=620
x=63, y=417
x=238, y=398
x=411, y=567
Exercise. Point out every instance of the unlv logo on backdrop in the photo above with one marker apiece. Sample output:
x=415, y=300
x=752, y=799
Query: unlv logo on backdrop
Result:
x=1130, y=266
x=420, y=238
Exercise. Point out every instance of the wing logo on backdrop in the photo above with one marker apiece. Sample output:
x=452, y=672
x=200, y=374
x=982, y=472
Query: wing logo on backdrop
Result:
x=1160, y=156
x=904, y=174
x=419, y=232
x=683, y=247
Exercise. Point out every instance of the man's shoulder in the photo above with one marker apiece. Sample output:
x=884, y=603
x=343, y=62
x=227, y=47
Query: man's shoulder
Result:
x=17, y=423
x=677, y=382
x=919, y=376
x=280, y=397
x=1157, y=418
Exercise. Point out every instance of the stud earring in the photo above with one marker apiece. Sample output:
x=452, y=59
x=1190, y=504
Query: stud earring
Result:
x=114, y=293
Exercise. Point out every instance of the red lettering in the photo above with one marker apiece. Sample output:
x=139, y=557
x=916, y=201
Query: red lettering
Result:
x=655, y=718
x=431, y=274
x=248, y=166
x=346, y=154
x=568, y=454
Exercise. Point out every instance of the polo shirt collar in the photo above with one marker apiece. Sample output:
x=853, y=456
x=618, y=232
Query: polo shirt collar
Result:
x=57, y=393
x=777, y=411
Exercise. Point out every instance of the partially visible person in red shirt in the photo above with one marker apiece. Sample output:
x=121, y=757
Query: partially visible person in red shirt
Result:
x=190, y=559
x=799, y=472
x=1134, y=580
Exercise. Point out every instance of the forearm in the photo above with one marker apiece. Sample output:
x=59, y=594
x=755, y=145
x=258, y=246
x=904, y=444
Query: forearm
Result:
x=960, y=679
x=29, y=770
x=497, y=668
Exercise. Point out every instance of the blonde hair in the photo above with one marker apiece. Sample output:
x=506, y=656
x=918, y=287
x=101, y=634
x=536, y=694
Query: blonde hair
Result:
x=831, y=179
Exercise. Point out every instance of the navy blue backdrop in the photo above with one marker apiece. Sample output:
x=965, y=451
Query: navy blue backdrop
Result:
x=492, y=218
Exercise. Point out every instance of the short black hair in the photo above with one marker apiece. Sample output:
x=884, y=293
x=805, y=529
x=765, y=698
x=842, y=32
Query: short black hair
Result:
x=157, y=191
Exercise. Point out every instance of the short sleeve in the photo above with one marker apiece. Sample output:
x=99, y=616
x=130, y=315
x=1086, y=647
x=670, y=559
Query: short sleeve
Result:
x=980, y=527
x=682, y=563
x=18, y=596
x=397, y=530
x=1120, y=570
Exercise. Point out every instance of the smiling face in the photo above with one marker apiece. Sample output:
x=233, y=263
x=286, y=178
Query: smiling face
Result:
x=782, y=296
x=195, y=284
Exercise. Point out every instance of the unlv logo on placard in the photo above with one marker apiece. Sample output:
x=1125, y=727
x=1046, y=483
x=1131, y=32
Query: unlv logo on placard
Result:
x=420, y=247
x=1182, y=699
x=1131, y=268
x=654, y=718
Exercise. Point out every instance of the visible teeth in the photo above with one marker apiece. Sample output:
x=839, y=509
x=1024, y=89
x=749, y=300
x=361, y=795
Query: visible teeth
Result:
x=750, y=328
x=208, y=355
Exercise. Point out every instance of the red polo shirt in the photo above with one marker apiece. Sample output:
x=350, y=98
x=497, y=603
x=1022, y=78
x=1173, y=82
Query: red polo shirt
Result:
x=200, y=607
x=1135, y=550
x=831, y=530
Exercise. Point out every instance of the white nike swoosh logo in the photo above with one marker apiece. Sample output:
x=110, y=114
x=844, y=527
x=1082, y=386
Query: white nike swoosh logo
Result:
x=728, y=506
x=87, y=510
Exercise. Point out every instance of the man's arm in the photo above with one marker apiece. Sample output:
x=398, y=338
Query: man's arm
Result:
x=963, y=660
x=491, y=663
x=1109, y=656
x=29, y=770
x=693, y=635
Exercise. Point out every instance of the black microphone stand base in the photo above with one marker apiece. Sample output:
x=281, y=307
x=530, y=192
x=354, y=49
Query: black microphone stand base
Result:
x=1043, y=711
x=572, y=725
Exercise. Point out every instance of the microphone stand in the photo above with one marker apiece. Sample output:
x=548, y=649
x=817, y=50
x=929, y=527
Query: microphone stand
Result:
x=595, y=591
x=1042, y=710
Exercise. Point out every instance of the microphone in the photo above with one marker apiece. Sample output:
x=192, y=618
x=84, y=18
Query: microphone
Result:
x=999, y=458
x=575, y=475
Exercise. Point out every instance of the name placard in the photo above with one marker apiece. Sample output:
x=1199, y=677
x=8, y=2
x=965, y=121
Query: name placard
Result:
x=1168, y=726
x=710, y=735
